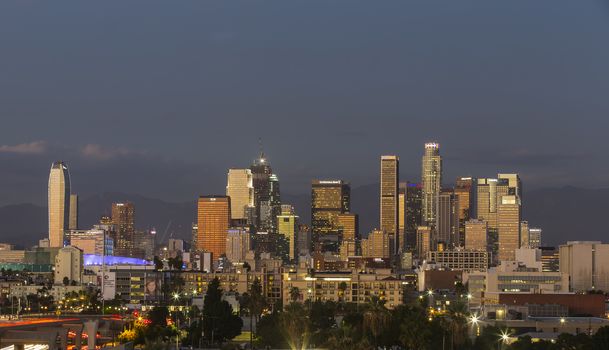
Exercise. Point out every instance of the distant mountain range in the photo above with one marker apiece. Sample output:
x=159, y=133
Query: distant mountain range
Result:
x=567, y=213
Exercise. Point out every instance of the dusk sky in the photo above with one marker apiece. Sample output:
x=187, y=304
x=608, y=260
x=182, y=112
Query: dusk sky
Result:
x=161, y=97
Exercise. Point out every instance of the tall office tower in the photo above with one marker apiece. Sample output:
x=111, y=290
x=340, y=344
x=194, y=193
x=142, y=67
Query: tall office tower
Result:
x=240, y=189
x=524, y=234
x=348, y=223
x=287, y=226
x=402, y=216
x=534, y=237
x=447, y=221
x=413, y=219
x=431, y=178
x=376, y=245
x=59, y=203
x=213, y=217
x=303, y=240
x=489, y=193
x=514, y=184
x=123, y=219
x=266, y=195
x=423, y=241
x=238, y=243
x=73, y=212
x=508, y=227
x=476, y=235
x=329, y=198
x=270, y=223
x=465, y=191
x=145, y=242
x=194, y=234
x=390, y=173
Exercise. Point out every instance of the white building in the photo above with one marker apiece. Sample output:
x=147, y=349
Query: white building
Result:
x=69, y=263
x=587, y=262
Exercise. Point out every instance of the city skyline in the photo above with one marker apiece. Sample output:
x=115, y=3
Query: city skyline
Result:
x=542, y=73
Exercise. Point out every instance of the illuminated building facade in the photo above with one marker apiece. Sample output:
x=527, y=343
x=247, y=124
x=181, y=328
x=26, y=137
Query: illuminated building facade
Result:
x=423, y=241
x=240, y=189
x=376, y=245
x=287, y=226
x=58, y=203
x=431, y=178
x=123, y=219
x=329, y=198
x=390, y=172
x=508, y=229
x=213, y=218
x=476, y=233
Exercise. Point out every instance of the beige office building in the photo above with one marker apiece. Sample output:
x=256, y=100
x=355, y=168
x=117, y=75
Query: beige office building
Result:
x=376, y=245
x=431, y=178
x=587, y=262
x=390, y=173
x=508, y=227
x=58, y=203
x=476, y=234
x=73, y=212
x=423, y=241
x=69, y=263
x=238, y=244
x=349, y=224
x=524, y=234
x=489, y=193
x=240, y=189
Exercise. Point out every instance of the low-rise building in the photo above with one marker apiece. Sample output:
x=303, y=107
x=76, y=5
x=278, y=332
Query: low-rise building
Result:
x=353, y=286
x=459, y=259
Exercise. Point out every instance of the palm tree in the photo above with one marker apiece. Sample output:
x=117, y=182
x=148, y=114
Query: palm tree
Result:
x=342, y=287
x=293, y=321
x=376, y=317
x=457, y=324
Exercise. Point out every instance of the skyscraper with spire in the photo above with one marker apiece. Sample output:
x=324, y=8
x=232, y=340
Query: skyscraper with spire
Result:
x=267, y=200
x=431, y=178
x=58, y=203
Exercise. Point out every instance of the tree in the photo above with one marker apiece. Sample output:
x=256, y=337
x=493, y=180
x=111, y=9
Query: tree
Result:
x=600, y=339
x=158, y=263
x=376, y=317
x=342, y=287
x=66, y=281
x=219, y=321
x=321, y=321
x=293, y=323
x=294, y=294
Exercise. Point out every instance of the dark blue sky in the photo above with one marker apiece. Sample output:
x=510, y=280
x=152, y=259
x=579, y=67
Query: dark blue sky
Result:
x=159, y=97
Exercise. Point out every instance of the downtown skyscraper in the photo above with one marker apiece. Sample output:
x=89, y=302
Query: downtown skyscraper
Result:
x=58, y=203
x=431, y=179
x=329, y=198
x=240, y=189
x=267, y=200
x=213, y=220
x=390, y=171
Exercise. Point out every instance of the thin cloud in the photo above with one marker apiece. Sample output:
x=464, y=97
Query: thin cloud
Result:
x=99, y=152
x=35, y=147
